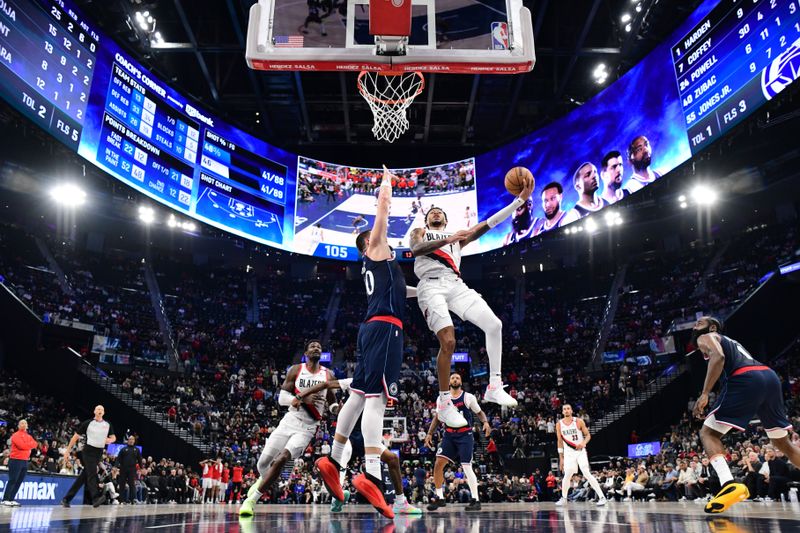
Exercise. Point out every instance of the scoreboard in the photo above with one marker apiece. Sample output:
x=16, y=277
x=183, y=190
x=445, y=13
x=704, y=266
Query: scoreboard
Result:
x=725, y=61
x=48, y=56
x=736, y=58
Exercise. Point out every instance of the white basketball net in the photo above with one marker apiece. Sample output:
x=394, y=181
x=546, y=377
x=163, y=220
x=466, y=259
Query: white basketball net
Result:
x=389, y=96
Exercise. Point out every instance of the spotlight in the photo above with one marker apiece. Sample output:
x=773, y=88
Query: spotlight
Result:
x=684, y=205
x=626, y=17
x=682, y=198
x=146, y=214
x=704, y=195
x=591, y=225
x=139, y=16
x=68, y=195
x=171, y=222
x=638, y=8
x=628, y=28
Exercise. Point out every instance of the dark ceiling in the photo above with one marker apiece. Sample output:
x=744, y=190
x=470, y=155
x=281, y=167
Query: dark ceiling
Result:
x=322, y=113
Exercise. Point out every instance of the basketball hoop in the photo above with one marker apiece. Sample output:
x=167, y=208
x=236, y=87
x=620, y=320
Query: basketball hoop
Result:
x=389, y=94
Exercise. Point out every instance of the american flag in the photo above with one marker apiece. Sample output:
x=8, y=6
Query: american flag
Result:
x=289, y=41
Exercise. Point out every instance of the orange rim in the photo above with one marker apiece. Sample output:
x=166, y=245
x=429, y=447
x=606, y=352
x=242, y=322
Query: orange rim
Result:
x=367, y=95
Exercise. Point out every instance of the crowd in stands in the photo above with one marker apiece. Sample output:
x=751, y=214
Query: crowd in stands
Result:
x=326, y=180
x=236, y=335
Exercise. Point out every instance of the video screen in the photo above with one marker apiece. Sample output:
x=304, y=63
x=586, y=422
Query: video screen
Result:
x=336, y=202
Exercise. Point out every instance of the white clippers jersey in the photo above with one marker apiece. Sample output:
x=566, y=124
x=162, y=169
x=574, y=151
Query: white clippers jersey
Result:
x=304, y=381
x=571, y=435
x=439, y=263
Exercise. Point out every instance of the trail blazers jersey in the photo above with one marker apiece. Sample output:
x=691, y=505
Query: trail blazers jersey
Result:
x=439, y=263
x=304, y=381
x=571, y=435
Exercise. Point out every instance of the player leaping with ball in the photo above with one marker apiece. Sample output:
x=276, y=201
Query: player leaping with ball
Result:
x=441, y=291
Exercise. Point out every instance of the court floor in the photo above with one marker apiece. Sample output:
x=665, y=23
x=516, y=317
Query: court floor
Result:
x=637, y=517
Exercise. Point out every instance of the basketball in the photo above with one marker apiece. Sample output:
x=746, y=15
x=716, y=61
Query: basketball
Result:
x=516, y=178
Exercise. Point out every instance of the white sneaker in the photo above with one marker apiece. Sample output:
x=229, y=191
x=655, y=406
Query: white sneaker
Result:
x=561, y=502
x=627, y=499
x=601, y=502
x=449, y=415
x=495, y=393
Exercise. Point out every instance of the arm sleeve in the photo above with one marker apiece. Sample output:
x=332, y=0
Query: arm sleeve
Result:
x=344, y=384
x=110, y=430
x=285, y=398
x=472, y=403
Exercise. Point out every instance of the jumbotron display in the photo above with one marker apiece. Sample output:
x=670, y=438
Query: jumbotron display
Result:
x=724, y=62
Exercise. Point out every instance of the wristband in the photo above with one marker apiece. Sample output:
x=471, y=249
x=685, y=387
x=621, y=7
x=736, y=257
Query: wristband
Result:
x=561, y=451
x=504, y=213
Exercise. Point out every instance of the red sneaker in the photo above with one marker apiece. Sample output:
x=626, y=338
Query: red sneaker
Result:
x=330, y=477
x=373, y=494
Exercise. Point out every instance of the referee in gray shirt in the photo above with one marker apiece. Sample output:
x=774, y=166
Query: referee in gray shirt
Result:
x=98, y=433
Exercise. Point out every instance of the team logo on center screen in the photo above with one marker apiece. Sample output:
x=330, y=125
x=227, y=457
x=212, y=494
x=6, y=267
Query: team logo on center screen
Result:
x=781, y=72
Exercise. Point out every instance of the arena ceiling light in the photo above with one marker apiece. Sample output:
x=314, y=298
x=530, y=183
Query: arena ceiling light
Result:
x=591, y=225
x=185, y=225
x=68, y=195
x=682, y=201
x=613, y=219
x=147, y=214
x=600, y=74
x=626, y=17
x=704, y=195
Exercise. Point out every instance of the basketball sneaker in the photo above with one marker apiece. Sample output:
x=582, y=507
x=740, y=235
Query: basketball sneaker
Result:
x=338, y=505
x=372, y=493
x=438, y=503
x=329, y=471
x=561, y=502
x=730, y=494
x=405, y=508
x=246, y=508
x=448, y=415
x=496, y=393
x=474, y=505
x=601, y=502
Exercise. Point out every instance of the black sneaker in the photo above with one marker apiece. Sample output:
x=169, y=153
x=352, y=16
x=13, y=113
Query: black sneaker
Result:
x=474, y=505
x=436, y=504
x=97, y=502
x=64, y=503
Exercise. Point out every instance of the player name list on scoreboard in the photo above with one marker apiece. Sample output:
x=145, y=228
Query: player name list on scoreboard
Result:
x=147, y=141
x=49, y=55
x=722, y=65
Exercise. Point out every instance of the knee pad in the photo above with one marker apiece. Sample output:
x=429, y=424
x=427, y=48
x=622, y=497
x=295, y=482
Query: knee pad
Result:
x=372, y=422
x=348, y=415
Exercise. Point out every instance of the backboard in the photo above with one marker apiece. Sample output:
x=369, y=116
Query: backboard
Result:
x=448, y=36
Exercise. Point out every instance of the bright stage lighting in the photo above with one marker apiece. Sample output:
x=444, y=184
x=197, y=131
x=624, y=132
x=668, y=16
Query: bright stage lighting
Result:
x=704, y=195
x=146, y=214
x=68, y=195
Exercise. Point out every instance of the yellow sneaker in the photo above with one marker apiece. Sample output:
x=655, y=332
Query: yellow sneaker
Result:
x=727, y=496
x=247, y=508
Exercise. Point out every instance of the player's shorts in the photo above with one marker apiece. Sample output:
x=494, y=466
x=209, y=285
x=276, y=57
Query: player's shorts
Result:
x=575, y=461
x=380, y=354
x=438, y=297
x=457, y=446
x=292, y=434
x=208, y=483
x=754, y=391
